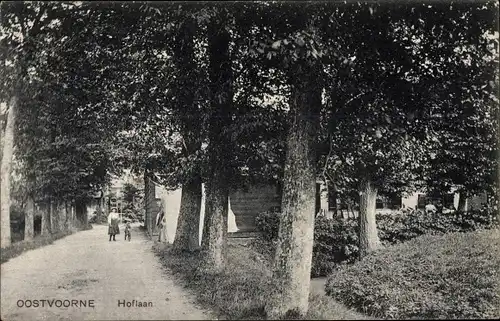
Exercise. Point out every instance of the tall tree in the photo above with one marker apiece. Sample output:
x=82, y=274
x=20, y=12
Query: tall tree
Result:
x=7, y=153
x=29, y=220
x=298, y=51
x=186, y=104
x=219, y=148
x=20, y=22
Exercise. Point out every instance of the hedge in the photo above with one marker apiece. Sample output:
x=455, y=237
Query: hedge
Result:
x=336, y=240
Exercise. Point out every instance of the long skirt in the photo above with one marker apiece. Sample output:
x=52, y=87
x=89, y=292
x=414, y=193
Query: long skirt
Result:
x=113, y=228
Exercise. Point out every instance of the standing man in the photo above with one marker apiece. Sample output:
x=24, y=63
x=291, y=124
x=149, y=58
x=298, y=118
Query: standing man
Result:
x=161, y=224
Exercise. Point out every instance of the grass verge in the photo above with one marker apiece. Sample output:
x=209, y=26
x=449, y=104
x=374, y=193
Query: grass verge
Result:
x=17, y=248
x=241, y=290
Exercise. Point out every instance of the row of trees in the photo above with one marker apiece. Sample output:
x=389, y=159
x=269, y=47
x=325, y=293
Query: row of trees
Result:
x=372, y=98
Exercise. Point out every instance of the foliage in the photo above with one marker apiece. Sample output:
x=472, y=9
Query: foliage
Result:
x=59, y=141
x=400, y=227
x=241, y=290
x=267, y=223
x=400, y=95
x=454, y=276
x=130, y=192
x=336, y=240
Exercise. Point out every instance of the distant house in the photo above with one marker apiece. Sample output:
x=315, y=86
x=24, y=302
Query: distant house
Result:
x=246, y=203
x=449, y=201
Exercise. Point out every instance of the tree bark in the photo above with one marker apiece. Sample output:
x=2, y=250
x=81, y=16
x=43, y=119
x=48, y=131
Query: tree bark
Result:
x=61, y=211
x=29, y=220
x=462, y=201
x=214, y=241
x=85, y=216
x=368, y=235
x=54, y=217
x=214, y=236
x=72, y=214
x=147, y=216
x=45, y=229
x=187, y=236
x=67, y=210
x=497, y=89
x=5, y=169
x=149, y=203
x=293, y=257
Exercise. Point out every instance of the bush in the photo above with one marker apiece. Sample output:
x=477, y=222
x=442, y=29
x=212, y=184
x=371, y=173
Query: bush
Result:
x=336, y=240
x=449, y=276
x=403, y=226
x=93, y=218
x=268, y=224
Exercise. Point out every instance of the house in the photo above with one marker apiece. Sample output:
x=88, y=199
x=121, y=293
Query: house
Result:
x=246, y=203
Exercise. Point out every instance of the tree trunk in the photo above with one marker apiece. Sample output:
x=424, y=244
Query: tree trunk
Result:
x=498, y=154
x=61, y=211
x=215, y=225
x=72, y=214
x=45, y=229
x=149, y=203
x=293, y=257
x=85, y=216
x=67, y=210
x=29, y=219
x=54, y=217
x=81, y=212
x=462, y=202
x=5, y=169
x=214, y=236
x=188, y=224
x=187, y=233
x=317, y=207
x=368, y=235
x=147, y=217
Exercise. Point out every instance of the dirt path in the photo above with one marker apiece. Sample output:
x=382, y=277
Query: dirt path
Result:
x=86, y=266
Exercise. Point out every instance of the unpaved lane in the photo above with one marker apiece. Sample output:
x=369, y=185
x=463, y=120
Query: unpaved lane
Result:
x=86, y=266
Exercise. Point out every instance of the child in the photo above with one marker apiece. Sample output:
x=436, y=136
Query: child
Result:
x=127, y=231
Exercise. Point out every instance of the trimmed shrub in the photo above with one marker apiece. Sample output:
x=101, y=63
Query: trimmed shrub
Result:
x=336, y=240
x=448, y=276
x=403, y=226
